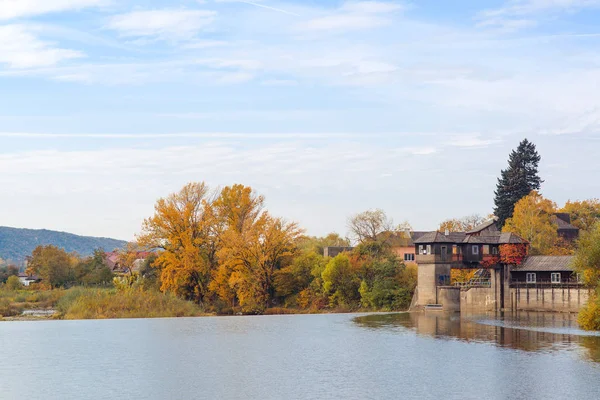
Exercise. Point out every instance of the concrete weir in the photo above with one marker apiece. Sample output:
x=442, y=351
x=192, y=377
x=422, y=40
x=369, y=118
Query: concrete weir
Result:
x=499, y=295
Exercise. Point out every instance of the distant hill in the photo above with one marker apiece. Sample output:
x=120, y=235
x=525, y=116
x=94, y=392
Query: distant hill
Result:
x=16, y=243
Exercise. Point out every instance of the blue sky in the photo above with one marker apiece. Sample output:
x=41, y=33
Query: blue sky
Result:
x=328, y=108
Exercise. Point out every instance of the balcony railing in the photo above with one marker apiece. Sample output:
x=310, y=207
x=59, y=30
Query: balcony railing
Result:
x=454, y=258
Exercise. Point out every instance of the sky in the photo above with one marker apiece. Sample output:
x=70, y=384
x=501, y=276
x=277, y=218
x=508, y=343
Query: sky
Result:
x=327, y=108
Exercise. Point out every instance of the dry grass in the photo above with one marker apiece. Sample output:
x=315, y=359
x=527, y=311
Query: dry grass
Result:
x=79, y=303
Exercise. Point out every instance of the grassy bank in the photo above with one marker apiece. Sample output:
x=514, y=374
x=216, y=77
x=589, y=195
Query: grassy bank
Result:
x=93, y=303
x=81, y=303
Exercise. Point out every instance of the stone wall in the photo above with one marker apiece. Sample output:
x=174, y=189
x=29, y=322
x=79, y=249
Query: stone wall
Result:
x=478, y=299
x=428, y=278
x=449, y=297
x=549, y=299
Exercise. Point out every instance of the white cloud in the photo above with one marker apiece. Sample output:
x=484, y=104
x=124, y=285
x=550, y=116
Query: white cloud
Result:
x=373, y=7
x=517, y=14
x=474, y=141
x=10, y=9
x=343, y=22
x=260, y=5
x=164, y=24
x=356, y=15
x=20, y=48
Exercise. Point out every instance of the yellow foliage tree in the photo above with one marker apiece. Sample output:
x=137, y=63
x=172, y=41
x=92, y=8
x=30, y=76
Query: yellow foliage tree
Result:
x=180, y=227
x=463, y=224
x=584, y=214
x=532, y=220
x=235, y=210
x=254, y=254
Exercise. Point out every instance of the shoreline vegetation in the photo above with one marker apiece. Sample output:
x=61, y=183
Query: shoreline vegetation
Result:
x=80, y=303
x=220, y=252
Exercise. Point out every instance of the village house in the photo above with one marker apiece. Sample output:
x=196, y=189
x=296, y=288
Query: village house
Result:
x=401, y=244
x=114, y=263
x=27, y=279
x=516, y=281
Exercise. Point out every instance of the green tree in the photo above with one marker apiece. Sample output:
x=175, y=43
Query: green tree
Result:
x=13, y=283
x=340, y=282
x=587, y=262
x=517, y=181
x=6, y=272
x=52, y=265
x=93, y=270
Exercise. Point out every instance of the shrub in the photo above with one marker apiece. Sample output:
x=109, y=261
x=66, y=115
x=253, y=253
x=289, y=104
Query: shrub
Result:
x=589, y=316
x=13, y=283
x=80, y=303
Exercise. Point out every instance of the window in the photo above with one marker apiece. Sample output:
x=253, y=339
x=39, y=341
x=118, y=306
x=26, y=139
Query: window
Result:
x=421, y=249
x=475, y=250
x=486, y=249
x=530, y=277
x=428, y=249
x=409, y=257
x=555, y=277
x=495, y=250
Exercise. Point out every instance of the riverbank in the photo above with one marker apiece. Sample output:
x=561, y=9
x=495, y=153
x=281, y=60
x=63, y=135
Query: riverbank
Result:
x=92, y=303
x=109, y=303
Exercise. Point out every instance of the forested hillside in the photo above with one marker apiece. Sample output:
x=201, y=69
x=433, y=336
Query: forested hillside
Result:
x=16, y=244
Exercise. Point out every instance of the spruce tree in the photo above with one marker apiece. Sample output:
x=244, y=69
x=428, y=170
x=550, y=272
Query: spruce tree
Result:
x=517, y=181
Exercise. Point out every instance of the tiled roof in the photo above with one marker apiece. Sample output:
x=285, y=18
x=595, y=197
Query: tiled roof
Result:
x=511, y=238
x=562, y=223
x=481, y=227
x=437, y=237
x=546, y=263
x=399, y=239
x=461, y=237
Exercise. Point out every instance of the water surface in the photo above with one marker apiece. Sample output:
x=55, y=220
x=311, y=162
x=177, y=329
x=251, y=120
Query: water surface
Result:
x=339, y=356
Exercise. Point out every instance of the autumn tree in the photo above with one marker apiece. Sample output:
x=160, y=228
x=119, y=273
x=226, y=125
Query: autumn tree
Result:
x=517, y=181
x=462, y=224
x=587, y=255
x=587, y=262
x=180, y=227
x=318, y=244
x=254, y=255
x=235, y=211
x=532, y=220
x=368, y=225
x=584, y=214
x=52, y=264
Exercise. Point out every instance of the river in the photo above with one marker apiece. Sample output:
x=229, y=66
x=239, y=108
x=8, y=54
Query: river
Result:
x=335, y=356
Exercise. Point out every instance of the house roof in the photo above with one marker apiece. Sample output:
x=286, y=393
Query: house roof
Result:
x=563, y=221
x=481, y=227
x=546, y=263
x=437, y=237
x=28, y=277
x=461, y=237
x=400, y=239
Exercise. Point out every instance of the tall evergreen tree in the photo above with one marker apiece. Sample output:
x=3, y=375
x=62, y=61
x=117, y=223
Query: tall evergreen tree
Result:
x=517, y=181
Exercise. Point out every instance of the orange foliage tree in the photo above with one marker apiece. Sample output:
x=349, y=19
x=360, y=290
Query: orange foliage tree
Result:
x=180, y=227
x=513, y=254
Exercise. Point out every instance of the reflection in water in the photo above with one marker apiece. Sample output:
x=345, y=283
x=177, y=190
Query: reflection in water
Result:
x=528, y=331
